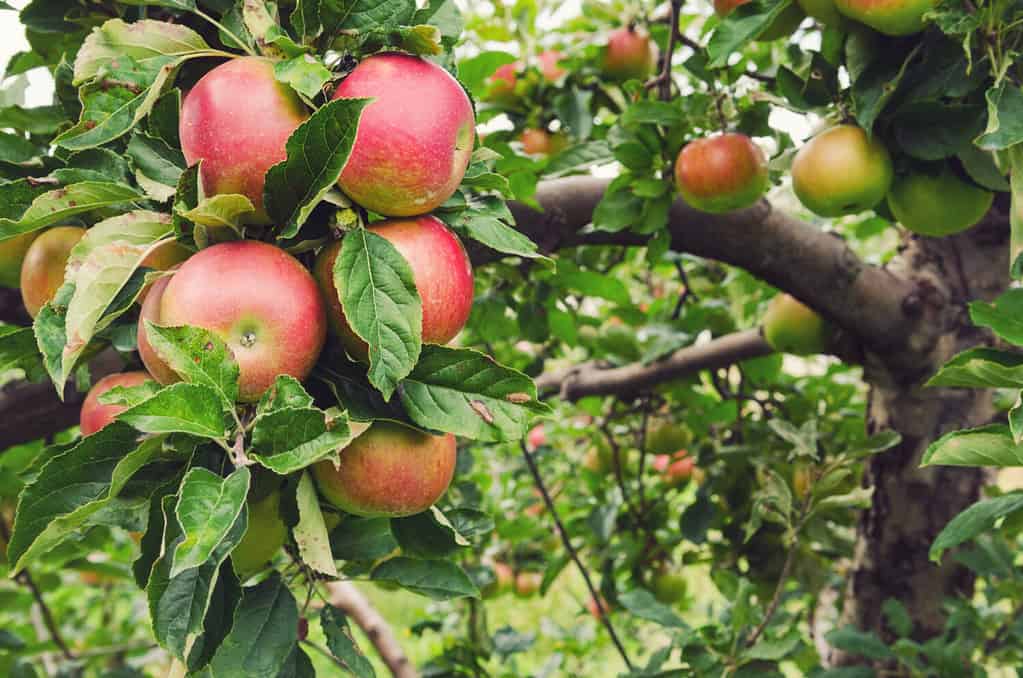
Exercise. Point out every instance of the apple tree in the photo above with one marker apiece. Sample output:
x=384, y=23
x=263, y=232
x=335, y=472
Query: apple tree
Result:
x=636, y=338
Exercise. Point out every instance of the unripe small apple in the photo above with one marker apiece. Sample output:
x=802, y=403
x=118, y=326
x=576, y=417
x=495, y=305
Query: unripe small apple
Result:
x=504, y=580
x=389, y=470
x=781, y=27
x=96, y=415
x=891, y=17
x=666, y=437
x=527, y=583
x=599, y=459
x=793, y=327
x=721, y=173
x=12, y=254
x=668, y=586
x=541, y=142
x=937, y=204
x=414, y=140
x=841, y=171
x=629, y=55
x=442, y=272
x=263, y=538
x=42, y=270
x=237, y=120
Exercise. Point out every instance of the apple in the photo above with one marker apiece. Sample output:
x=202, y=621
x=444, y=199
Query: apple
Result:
x=937, y=204
x=549, y=67
x=527, y=583
x=96, y=415
x=442, y=272
x=414, y=140
x=667, y=437
x=891, y=17
x=841, y=171
x=537, y=141
x=792, y=327
x=675, y=469
x=42, y=271
x=12, y=254
x=502, y=82
x=823, y=11
x=597, y=611
x=150, y=311
x=263, y=538
x=504, y=580
x=668, y=586
x=237, y=120
x=536, y=437
x=599, y=459
x=389, y=470
x=721, y=173
x=629, y=55
x=781, y=27
x=259, y=300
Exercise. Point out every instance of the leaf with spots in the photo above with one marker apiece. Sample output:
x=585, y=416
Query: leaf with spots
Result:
x=195, y=409
x=198, y=356
x=311, y=532
x=342, y=643
x=985, y=446
x=291, y=438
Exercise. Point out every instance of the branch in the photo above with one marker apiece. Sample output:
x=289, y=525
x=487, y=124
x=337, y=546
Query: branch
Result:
x=344, y=595
x=589, y=379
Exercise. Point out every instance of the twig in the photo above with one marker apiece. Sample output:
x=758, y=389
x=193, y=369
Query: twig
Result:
x=605, y=616
x=687, y=292
x=776, y=598
x=663, y=79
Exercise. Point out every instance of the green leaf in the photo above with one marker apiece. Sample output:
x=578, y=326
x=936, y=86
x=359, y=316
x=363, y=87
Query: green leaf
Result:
x=317, y=152
x=974, y=521
x=16, y=149
x=94, y=164
x=1003, y=316
x=501, y=237
x=743, y=25
x=642, y=603
x=311, y=532
x=195, y=409
x=291, y=438
x=208, y=507
x=427, y=535
x=579, y=158
x=60, y=204
x=1015, y=162
x=74, y=485
x=264, y=632
x=436, y=579
x=16, y=197
x=342, y=643
x=364, y=539
x=19, y=351
x=467, y=393
x=986, y=446
x=1004, y=124
x=199, y=357
x=227, y=210
x=381, y=304
x=148, y=42
x=859, y=643
x=286, y=392
x=139, y=227
x=470, y=523
x=367, y=15
x=474, y=72
x=876, y=86
x=304, y=74
x=158, y=166
x=591, y=284
x=40, y=120
x=981, y=368
x=48, y=327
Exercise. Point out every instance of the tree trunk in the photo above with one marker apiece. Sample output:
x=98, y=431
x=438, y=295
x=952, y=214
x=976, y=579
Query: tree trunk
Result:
x=911, y=505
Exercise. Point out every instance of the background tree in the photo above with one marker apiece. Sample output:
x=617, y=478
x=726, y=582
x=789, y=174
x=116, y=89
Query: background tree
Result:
x=730, y=333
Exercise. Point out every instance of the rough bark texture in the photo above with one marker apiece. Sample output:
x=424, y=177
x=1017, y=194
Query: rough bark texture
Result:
x=911, y=505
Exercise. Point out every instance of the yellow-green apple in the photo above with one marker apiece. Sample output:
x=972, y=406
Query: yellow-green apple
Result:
x=259, y=300
x=629, y=54
x=95, y=415
x=442, y=273
x=793, y=327
x=666, y=437
x=388, y=470
x=937, y=204
x=263, y=538
x=782, y=26
x=237, y=120
x=891, y=17
x=549, y=67
x=415, y=138
x=42, y=271
x=668, y=586
x=12, y=253
x=841, y=171
x=721, y=173
x=527, y=583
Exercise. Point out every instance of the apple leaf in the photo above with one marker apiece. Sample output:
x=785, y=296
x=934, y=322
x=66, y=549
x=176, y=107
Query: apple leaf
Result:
x=19, y=351
x=642, y=604
x=195, y=409
x=147, y=42
x=427, y=535
x=366, y=15
x=286, y=391
x=74, y=485
x=1004, y=127
x=311, y=531
x=59, y=204
x=208, y=507
x=1016, y=210
x=305, y=74
x=158, y=166
x=342, y=645
x=199, y=357
x=48, y=327
x=39, y=120
x=743, y=25
x=975, y=520
x=178, y=604
x=16, y=197
x=221, y=211
x=981, y=368
x=381, y=303
x=362, y=539
x=985, y=446
x=436, y=579
x=317, y=152
x=139, y=227
x=289, y=439
x=467, y=393
x=263, y=635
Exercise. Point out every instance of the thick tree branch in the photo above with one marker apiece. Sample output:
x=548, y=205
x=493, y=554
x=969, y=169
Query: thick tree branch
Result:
x=589, y=379
x=344, y=595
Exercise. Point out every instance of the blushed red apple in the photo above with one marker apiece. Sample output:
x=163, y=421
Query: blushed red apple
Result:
x=42, y=270
x=541, y=142
x=95, y=415
x=675, y=469
x=721, y=173
x=549, y=67
x=414, y=140
x=237, y=120
x=629, y=54
x=442, y=271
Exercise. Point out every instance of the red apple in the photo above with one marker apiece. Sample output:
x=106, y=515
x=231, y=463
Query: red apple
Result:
x=96, y=415
x=536, y=437
x=675, y=469
x=541, y=142
x=150, y=311
x=389, y=470
x=414, y=140
x=527, y=583
x=549, y=67
x=596, y=610
x=502, y=82
x=236, y=120
x=42, y=270
x=442, y=272
x=259, y=300
x=629, y=54
x=721, y=173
